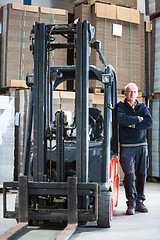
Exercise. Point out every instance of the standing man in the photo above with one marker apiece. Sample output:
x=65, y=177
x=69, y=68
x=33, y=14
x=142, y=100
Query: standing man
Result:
x=134, y=119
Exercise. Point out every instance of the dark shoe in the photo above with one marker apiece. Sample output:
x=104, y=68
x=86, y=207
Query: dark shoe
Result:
x=130, y=210
x=140, y=207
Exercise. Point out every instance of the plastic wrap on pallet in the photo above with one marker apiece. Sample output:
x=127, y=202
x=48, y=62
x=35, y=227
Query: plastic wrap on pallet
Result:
x=6, y=138
x=153, y=140
x=21, y=109
x=155, y=56
x=152, y=7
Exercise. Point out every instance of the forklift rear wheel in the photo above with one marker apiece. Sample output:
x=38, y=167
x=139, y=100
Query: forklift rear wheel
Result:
x=105, y=209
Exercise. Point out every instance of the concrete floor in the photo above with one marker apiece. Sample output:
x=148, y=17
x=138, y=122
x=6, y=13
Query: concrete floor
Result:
x=138, y=227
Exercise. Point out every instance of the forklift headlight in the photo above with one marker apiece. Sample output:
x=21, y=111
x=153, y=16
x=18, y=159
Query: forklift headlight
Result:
x=106, y=78
x=29, y=80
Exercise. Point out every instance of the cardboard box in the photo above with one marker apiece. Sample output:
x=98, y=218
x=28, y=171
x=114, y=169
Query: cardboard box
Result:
x=53, y=11
x=18, y=83
x=67, y=95
x=105, y=10
x=58, y=56
x=128, y=15
x=25, y=8
x=125, y=52
x=16, y=57
x=148, y=26
x=116, y=12
x=98, y=98
x=123, y=3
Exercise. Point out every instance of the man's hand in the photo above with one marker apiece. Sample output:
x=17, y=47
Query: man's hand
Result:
x=140, y=119
x=132, y=126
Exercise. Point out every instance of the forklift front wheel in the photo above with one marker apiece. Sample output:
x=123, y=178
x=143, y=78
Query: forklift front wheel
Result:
x=105, y=209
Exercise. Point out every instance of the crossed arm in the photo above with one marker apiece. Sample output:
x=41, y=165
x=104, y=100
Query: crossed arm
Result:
x=137, y=122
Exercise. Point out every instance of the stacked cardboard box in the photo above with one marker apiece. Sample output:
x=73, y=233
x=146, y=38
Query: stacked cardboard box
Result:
x=121, y=32
x=124, y=3
x=56, y=16
x=16, y=58
x=154, y=140
x=152, y=7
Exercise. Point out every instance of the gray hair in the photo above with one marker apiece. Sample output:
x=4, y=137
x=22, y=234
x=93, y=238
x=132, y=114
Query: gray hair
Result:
x=130, y=84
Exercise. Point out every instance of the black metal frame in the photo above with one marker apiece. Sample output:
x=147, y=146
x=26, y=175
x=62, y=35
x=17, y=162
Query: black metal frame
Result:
x=40, y=107
x=72, y=189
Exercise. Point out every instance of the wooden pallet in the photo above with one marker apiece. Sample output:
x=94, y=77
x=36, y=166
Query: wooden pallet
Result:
x=155, y=15
x=7, y=91
x=15, y=85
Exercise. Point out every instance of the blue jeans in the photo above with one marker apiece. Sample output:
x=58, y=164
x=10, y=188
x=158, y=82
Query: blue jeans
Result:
x=134, y=162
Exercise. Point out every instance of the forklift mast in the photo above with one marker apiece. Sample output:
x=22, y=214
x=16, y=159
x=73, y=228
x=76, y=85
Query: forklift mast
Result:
x=43, y=88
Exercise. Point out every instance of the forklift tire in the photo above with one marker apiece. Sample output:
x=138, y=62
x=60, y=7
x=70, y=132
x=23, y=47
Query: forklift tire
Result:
x=105, y=210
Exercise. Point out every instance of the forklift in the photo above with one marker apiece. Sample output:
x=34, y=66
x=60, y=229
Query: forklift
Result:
x=70, y=172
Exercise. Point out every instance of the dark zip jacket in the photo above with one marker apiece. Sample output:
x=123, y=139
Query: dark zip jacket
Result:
x=128, y=116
